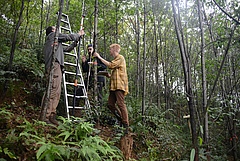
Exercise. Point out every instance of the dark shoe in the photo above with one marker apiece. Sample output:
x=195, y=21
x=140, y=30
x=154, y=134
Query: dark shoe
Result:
x=53, y=120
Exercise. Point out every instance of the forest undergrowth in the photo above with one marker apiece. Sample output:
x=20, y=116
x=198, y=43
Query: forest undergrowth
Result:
x=23, y=137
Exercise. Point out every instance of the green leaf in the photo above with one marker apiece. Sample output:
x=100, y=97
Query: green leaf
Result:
x=201, y=129
x=66, y=134
x=200, y=140
x=10, y=154
x=192, y=156
x=41, y=150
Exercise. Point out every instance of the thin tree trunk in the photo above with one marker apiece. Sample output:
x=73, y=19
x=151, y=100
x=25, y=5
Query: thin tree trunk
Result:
x=14, y=39
x=232, y=109
x=48, y=13
x=14, y=42
x=138, y=50
x=41, y=25
x=116, y=22
x=204, y=84
x=222, y=64
x=95, y=49
x=188, y=80
x=144, y=62
x=156, y=50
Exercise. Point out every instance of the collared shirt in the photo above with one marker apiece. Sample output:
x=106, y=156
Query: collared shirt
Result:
x=48, y=46
x=119, y=79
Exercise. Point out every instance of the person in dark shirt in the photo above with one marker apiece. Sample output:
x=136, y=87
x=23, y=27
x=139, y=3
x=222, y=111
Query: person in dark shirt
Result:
x=87, y=68
x=58, y=67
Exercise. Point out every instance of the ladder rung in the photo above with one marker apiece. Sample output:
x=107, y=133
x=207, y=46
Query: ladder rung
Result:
x=63, y=14
x=72, y=64
x=66, y=72
x=77, y=107
x=64, y=21
x=81, y=85
x=70, y=95
x=70, y=54
x=65, y=44
x=64, y=28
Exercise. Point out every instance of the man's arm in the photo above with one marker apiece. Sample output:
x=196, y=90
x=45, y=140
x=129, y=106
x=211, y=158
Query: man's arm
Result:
x=85, y=65
x=70, y=47
x=107, y=63
x=101, y=65
x=70, y=37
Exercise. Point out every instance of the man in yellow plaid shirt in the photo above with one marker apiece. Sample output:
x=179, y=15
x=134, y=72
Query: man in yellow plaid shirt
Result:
x=118, y=84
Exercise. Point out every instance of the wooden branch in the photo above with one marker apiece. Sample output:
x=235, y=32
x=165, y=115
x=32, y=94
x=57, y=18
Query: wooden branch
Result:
x=238, y=23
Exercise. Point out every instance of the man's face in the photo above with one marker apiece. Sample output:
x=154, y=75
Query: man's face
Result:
x=111, y=51
x=53, y=29
x=90, y=49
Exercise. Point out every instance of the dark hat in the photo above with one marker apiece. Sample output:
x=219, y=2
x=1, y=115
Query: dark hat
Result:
x=90, y=45
x=48, y=30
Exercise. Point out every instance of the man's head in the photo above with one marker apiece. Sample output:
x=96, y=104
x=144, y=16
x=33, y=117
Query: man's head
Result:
x=50, y=29
x=115, y=49
x=90, y=48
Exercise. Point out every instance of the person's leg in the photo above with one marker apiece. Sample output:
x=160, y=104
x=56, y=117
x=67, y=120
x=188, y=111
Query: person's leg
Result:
x=112, y=105
x=121, y=105
x=54, y=93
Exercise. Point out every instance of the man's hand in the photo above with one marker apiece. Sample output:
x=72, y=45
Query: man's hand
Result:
x=96, y=55
x=108, y=75
x=84, y=59
x=81, y=32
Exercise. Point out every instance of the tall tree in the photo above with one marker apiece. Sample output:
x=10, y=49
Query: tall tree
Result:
x=144, y=59
x=187, y=77
x=41, y=25
x=13, y=46
x=95, y=42
x=156, y=51
x=204, y=83
x=137, y=30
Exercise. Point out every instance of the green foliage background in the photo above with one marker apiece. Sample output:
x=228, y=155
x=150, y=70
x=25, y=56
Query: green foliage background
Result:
x=165, y=134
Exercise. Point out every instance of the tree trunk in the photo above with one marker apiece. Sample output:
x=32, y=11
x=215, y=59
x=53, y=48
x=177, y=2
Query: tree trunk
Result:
x=48, y=13
x=14, y=42
x=41, y=25
x=138, y=50
x=187, y=79
x=144, y=62
x=116, y=21
x=156, y=62
x=204, y=84
x=95, y=49
x=95, y=46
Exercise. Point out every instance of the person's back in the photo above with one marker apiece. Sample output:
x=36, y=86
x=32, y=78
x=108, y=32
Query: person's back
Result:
x=58, y=65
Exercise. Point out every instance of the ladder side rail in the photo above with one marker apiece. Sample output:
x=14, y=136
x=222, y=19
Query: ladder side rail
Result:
x=78, y=74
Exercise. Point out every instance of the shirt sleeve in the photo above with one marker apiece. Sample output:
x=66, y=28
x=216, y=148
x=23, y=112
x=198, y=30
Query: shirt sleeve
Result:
x=70, y=47
x=115, y=63
x=68, y=37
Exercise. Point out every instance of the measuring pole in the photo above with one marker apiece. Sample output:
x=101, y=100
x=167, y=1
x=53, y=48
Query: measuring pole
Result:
x=78, y=56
